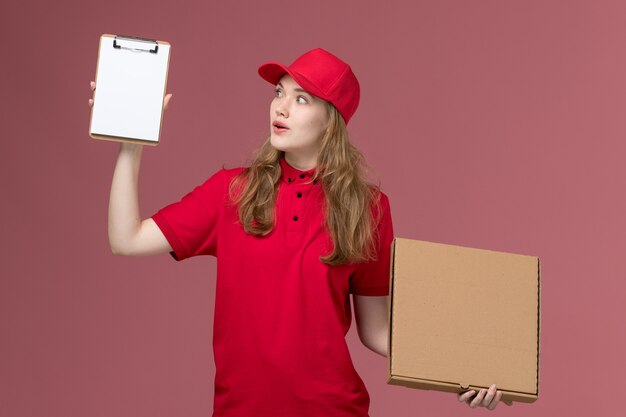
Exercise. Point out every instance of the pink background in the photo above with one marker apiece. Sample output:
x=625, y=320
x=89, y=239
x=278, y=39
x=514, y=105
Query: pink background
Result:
x=492, y=124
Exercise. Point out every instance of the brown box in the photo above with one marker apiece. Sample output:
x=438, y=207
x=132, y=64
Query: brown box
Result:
x=464, y=318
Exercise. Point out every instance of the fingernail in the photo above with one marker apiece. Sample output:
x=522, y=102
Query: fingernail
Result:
x=493, y=386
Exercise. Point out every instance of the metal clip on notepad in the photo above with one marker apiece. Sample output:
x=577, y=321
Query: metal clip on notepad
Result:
x=136, y=44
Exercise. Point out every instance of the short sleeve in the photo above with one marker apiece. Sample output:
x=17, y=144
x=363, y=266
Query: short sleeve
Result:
x=372, y=277
x=191, y=225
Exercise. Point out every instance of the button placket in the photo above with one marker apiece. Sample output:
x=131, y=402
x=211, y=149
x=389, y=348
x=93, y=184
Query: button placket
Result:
x=299, y=206
x=296, y=210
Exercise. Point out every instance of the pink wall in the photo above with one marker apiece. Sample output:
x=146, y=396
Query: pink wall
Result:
x=493, y=124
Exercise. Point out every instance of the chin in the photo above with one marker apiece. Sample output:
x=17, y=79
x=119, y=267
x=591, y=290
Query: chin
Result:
x=279, y=144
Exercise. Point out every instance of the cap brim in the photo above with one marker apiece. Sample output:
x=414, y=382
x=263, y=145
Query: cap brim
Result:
x=272, y=72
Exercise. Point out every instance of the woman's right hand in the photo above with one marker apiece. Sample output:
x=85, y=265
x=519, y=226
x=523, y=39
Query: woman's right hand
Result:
x=93, y=88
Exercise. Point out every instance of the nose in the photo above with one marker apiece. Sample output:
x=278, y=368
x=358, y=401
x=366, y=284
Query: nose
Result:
x=281, y=109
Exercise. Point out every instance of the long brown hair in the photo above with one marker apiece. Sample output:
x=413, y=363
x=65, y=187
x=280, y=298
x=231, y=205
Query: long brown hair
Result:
x=349, y=198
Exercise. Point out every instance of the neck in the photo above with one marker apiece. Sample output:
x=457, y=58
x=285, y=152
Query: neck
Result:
x=301, y=162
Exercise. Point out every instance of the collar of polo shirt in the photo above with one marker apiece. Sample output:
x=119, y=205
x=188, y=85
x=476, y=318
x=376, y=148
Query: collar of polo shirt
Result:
x=292, y=175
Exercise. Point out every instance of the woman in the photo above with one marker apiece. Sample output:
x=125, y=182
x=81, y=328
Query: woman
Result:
x=294, y=234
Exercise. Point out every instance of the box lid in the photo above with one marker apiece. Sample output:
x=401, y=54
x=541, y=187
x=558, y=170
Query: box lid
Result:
x=464, y=318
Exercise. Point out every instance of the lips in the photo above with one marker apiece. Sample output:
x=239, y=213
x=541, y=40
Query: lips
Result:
x=279, y=125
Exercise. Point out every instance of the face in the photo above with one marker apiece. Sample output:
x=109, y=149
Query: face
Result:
x=298, y=122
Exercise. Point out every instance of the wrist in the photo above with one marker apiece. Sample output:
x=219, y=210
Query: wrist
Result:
x=130, y=148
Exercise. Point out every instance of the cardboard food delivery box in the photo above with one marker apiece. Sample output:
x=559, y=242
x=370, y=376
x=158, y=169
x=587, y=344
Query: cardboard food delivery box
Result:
x=464, y=318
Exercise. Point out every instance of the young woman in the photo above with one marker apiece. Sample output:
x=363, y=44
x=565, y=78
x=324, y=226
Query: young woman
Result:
x=294, y=235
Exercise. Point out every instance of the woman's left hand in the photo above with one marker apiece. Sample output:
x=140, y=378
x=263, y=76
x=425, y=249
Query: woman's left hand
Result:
x=485, y=398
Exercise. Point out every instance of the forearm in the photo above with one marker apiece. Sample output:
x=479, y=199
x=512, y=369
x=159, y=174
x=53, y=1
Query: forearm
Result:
x=379, y=343
x=372, y=318
x=124, y=218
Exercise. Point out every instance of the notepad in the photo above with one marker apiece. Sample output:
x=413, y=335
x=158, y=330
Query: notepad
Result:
x=131, y=79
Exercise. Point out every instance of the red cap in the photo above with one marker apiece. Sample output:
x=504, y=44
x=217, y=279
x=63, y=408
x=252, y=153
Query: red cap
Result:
x=322, y=74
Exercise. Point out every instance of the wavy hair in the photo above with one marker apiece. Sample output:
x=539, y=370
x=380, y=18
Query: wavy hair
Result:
x=352, y=205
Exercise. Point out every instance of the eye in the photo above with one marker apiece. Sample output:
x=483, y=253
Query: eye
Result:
x=302, y=100
x=278, y=92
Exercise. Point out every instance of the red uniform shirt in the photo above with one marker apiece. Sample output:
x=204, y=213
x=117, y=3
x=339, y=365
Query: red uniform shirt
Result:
x=281, y=315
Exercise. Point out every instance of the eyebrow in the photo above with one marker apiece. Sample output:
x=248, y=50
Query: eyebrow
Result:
x=300, y=90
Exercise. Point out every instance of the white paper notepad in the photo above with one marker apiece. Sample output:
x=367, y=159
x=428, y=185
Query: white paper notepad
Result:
x=131, y=79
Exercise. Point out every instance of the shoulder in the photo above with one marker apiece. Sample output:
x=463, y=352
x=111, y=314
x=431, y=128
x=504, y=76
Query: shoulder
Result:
x=380, y=202
x=383, y=198
x=228, y=174
x=223, y=176
x=218, y=183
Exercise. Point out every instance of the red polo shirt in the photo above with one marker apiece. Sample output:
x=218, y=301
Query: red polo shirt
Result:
x=281, y=315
